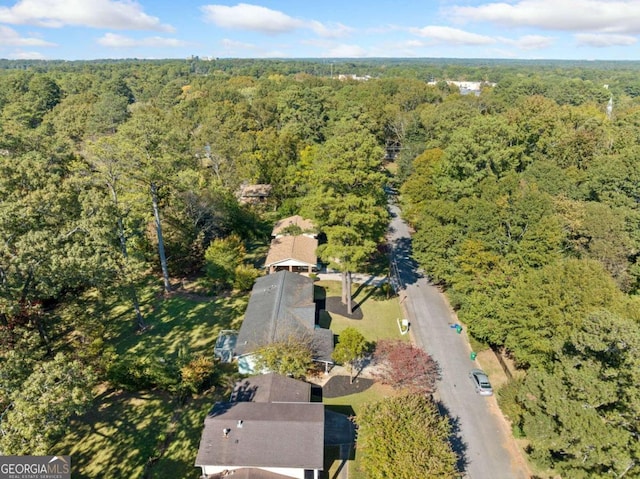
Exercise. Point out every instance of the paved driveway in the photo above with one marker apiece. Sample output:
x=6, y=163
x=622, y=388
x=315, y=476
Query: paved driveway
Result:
x=482, y=438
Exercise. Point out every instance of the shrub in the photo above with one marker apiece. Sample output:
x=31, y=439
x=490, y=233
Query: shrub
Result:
x=222, y=257
x=197, y=374
x=404, y=366
x=244, y=277
x=137, y=373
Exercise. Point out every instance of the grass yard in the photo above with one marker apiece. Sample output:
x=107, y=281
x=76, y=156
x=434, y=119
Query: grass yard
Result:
x=151, y=434
x=181, y=320
x=379, y=314
x=135, y=435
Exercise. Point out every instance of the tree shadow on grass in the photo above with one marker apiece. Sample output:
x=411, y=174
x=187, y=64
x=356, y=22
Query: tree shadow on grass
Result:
x=181, y=322
x=335, y=305
x=119, y=435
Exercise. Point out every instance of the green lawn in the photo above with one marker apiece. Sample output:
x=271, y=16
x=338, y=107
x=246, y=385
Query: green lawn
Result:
x=380, y=314
x=138, y=435
x=182, y=321
x=151, y=434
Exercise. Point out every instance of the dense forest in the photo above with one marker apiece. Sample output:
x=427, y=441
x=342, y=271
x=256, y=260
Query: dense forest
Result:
x=524, y=199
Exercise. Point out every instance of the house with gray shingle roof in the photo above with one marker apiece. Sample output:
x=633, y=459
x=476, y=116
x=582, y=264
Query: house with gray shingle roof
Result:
x=268, y=430
x=281, y=306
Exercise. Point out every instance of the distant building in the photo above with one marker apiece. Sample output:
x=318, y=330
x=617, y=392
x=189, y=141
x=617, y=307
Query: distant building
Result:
x=254, y=194
x=292, y=253
x=466, y=87
x=353, y=76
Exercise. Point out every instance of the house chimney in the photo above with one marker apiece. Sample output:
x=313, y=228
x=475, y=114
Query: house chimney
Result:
x=240, y=421
x=226, y=432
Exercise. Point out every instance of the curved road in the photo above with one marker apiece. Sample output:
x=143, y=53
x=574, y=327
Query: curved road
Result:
x=482, y=438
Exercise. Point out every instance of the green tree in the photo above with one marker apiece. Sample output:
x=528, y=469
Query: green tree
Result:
x=40, y=96
x=292, y=356
x=106, y=159
x=579, y=415
x=546, y=304
x=350, y=349
x=55, y=238
x=39, y=413
x=154, y=144
x=222, y=257
x=301, y=112
x=347, y=200
x=405, y=437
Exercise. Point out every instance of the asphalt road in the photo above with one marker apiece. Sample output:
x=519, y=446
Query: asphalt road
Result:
x=482, y=438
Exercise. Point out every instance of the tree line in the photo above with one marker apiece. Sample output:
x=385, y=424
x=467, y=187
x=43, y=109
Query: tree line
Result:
x=525, y=204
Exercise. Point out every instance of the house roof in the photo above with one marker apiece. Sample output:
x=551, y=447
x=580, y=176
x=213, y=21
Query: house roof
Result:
x=297, y=220
x=255, y=191
x=297, y=250
x=323, y=345
x=281, y=305
x=260, y=434
x=271, y=387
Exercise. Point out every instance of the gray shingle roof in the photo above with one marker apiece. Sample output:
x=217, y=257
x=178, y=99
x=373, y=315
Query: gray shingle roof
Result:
x=323, y=345
x=271, y=387
x=281, y=305
x=263, y=435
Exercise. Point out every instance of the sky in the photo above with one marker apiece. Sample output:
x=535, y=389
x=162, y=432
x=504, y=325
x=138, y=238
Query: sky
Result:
x=509, y=29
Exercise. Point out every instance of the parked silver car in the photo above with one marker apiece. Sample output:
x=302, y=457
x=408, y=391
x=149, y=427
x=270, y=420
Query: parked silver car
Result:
x=481, y=382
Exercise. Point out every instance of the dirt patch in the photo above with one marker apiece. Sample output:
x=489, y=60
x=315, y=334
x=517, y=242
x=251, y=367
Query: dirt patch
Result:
x=338, y=386
x=333, y=304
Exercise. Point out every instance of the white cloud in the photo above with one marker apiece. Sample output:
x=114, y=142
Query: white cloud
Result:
x=9, y=36
x=244, y=16
x=235, y=45
x=604, y=40
x=620, y=16
x=120, y=41
x=251, y=17
x=346, y=51
x=414, y=43
x=116, y=14
x=333, y=30
x=22, y=55
x=531, y=42
x=452, y=36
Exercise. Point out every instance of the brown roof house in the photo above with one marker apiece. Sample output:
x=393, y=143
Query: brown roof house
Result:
x=269, y=429
x=292, y=253
x=297, y=224
x=281, y=306
x=254, y=194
